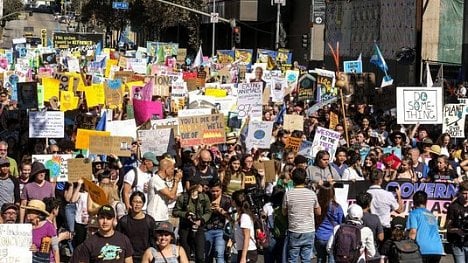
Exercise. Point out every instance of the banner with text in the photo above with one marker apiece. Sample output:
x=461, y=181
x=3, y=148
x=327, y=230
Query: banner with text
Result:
x=46, y=124
x=15, y=240
x=204, y=129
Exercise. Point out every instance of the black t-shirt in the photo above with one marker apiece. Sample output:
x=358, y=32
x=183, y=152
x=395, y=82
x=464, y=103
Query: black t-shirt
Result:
x=206, y=177
x=138, y=231
x=458, y=214
x=373, y=222
x=113, y=249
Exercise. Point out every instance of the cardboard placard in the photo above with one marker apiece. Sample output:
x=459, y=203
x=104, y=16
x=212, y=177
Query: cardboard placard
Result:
x=204, y=129
x=113, y=91
x=161, y=86
x=82, y=137
x=118, y=145
x=294, y=144
x=270, y=171
x=79, y=168
x=293, y=122
x=95, y=192
x=334, y=120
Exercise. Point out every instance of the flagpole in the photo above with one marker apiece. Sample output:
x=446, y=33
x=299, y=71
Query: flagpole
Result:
x=343, y=110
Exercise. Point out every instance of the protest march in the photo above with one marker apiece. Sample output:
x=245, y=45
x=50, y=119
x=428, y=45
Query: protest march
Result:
x=147, y=155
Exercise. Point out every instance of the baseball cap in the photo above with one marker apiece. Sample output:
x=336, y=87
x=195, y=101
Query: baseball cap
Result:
x=4, y=161
x=164, y=227
x=150, y=156
x=7, y=206
x=106, y=211
x=355, y=212
x=398, y=222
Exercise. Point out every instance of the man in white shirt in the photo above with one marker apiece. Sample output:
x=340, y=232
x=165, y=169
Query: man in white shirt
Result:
x=144, y=174
x=162, y=190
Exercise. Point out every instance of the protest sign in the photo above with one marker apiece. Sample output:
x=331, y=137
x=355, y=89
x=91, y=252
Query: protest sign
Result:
x=278, y=87
x=334, y=120
x=122, y=128
x=293, y=122
x=419, y=105
x=51, y=88
x=194, y=112
x=82, y=137
x=259, y=135
x=76, y=41
x=117, y=145
x=325, y=85
x=143, y=92
x=454, y=120
x=27, y=95
x=146, y=110
x=353, y=66
x=203, y=129
x=95, y=192
x=270, y=171
x=65, y=82
x=15, y=243
x=113, y=91
x=249, y=100
x=325, y=139
x=46, y=124
x=172, y=123
x=57, y=164
x=95, y=95
x=306, y=149
x=294, y=144
x=305, y=87
x=68, y=101
x=155, y=141
x=79, y=168
x=161, y=85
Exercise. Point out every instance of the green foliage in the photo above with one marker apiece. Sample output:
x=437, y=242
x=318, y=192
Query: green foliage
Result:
x=10, y=6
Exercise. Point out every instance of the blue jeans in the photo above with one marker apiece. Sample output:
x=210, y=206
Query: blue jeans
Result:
x=460, y=253
x=300, y=245
x=214, y=245
x=322, y=253
x=70, y=212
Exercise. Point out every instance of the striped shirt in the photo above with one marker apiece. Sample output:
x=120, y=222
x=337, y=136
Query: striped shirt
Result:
x=300, y=203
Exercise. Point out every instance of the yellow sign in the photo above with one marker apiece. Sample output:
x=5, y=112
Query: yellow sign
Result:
x=95, y=95
x=95, y=192
x=68, y=101
x=51, y=88
x=213, y=92
x=82, y=137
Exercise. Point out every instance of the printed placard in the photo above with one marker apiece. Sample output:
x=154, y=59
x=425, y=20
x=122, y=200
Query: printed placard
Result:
x=118, y=145
x=57, y=164
x=204, y=129
x=46, y=124
x=419, y=105
x=249, y=100
x=353, y=66
x=79, y=168
x=454, y=120
x=15, y=240
x=155, y=141
x=259, y=135
x=293, y=122
x=325, y=139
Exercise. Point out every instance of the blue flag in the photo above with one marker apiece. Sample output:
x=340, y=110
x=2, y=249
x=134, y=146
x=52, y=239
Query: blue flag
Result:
x=378, y=60
x=101, y=125
x=280, y=117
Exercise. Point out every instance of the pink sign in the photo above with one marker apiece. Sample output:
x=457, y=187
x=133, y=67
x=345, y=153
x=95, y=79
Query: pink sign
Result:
x=144, y=110
x=143, y=93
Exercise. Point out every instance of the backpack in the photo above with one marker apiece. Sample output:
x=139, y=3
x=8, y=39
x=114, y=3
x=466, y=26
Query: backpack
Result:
x=262, y=232
x=405, y=251
x=347, y=243
x=134, y=184
x=280, y=223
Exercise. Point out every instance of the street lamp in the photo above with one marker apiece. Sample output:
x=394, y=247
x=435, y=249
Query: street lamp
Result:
x=278, y=3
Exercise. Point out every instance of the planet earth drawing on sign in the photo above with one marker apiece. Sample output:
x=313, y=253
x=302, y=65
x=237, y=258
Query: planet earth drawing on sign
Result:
x=259, y=134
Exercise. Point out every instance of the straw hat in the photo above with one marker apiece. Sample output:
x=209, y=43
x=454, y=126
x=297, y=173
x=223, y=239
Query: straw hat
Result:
x=36, y=205
x=435, y=149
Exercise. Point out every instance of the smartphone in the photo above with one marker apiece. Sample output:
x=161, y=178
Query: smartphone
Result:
x=392, y=188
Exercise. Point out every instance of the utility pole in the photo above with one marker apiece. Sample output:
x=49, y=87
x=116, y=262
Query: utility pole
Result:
x=214, y=29
x=1, y=8
x=278, y=3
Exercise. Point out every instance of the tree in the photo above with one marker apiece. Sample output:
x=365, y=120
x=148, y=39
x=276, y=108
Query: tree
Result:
x=11, y=6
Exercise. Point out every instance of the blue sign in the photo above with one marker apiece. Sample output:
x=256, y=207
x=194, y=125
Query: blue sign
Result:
x=120, y=5
x=353, y=66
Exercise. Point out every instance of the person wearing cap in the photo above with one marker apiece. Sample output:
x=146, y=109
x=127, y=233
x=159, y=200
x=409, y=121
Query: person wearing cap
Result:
x=37, y=188
x=9, y=213
x=106, y=245
x=144, y=172
x=354, y=217
x=3, y=155
x=457, y=224
x=164, y=249
x=44, y=233
x=194, y=209
x=9, y=185
x=423, y=227
x=383, y=202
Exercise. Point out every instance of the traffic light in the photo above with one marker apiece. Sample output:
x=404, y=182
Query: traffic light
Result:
x=44, y=37
x=305, y=40
x=237, y=34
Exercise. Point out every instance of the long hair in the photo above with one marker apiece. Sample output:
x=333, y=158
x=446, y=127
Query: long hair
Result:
x=319, y=156
x=229, y=171
x=326, y=197
x=243, y=206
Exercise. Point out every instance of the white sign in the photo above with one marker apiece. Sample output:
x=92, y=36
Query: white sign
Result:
x=164, y=122
x=249, y=100
x=155, y=141
x=46, y=124
x=214, y=17
x=124, y=128
x=57, y=164
x=325, y=139
x=179, y=89
x=419, y=105
x=278, y=86
x=194, y=112
x=259, y=135
x=15, y=243
x=454, y=120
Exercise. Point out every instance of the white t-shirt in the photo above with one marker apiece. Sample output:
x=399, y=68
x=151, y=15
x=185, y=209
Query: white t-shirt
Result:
x=157, y=203
x=180, y=190
x=143, y=178
x=245, y=222
x=81, y=215
x=350, y=174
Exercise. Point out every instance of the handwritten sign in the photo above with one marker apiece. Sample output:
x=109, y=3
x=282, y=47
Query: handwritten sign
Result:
x=325, y=139
x=117, y=145
x=15, y=240
x=95, y=192
x=419, y=105
x=204, y=129
x=46, y=124
x=122, y=128
x=113, y=92
x=155, y=141
x=82, y=137
x=334, y=120
x=293, y=122
x=78, y=168
x=454, y=120
x=294, y=144
x=172, y=123
x=57, y=164
x=249, y=100
x=259, y=134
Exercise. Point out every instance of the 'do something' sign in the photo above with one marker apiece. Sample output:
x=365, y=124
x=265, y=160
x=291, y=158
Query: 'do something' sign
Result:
x=419, y=105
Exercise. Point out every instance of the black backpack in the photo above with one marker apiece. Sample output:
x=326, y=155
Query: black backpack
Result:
x=405, y=251
x=347, y=243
